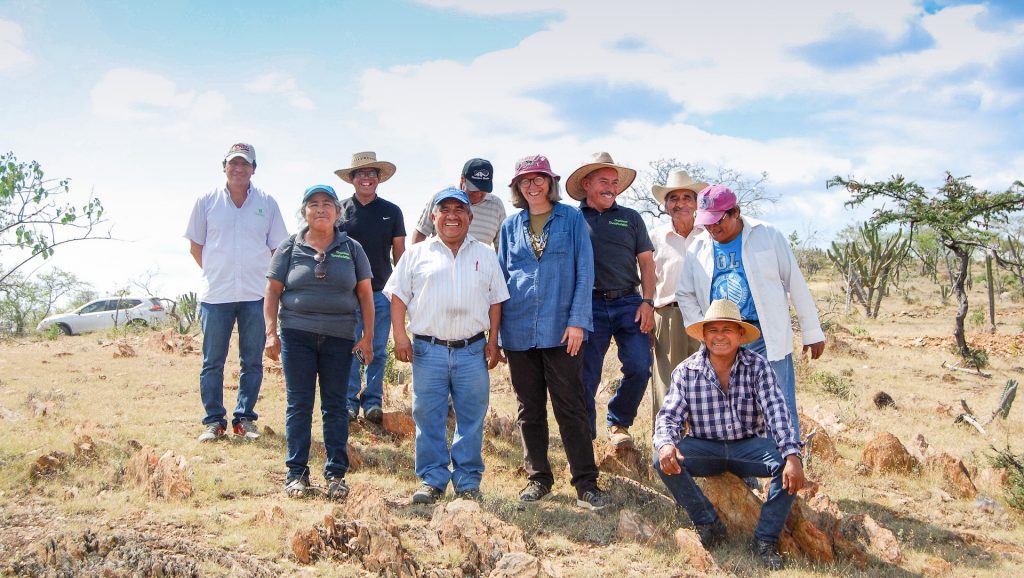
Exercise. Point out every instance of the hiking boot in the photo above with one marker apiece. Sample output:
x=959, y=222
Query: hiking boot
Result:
x=711, y=534
x=618, y=437
x=594, y=499
x=534, y=492
x=375, y=415
x=211, y=432
x=427, y=494
x=470, y=494
x=337, y=490
x=246, y=429
x=768, y=553
x=296, y=487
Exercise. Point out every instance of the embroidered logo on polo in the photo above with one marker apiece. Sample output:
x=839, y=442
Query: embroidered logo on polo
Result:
x=619, y=222
x=259, y=211
x=341, y=255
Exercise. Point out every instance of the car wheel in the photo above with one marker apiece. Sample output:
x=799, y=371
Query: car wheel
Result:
x=64, y=329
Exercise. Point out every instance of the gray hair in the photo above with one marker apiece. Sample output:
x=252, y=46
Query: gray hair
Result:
x=554, y=192
x=437, y=207
x=302, y=209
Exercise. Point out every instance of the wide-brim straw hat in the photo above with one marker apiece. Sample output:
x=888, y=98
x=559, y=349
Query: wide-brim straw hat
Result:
x=724, y=310
x=367, y=160
x=600, y=160
x=678, y=180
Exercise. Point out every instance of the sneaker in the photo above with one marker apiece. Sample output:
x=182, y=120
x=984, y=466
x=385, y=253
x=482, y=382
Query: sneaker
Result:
x=427, y=494
x=534, y=492
x=211, y=432
x=246, y=429
x=618, y=436
x=337, y=490
x=375, y=415
x=711, y=534
x=594, y=499
x=768, y=553
x=471, y=494
x=353, y=414
x=296, y=487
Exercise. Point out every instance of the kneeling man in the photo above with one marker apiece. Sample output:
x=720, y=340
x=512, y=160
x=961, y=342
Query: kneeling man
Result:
x=730, y=399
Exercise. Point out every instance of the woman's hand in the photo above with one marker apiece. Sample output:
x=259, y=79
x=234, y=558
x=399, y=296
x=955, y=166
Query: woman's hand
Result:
x=365, y=346
x=574, y=337
x=273, y=347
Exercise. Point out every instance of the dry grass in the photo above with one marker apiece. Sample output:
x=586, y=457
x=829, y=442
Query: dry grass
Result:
x=152, y=399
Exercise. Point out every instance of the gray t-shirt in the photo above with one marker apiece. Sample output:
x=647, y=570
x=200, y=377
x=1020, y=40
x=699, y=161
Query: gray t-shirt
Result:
x=326, y=306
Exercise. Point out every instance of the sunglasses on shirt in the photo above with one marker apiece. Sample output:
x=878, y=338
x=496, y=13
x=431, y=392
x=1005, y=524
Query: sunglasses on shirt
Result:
x=320, y=271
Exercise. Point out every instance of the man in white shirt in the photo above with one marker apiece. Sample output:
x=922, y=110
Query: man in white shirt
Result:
x=233, y=231
x=452, y=288
x=750, y=263
x=477, y=181
x=671, y=343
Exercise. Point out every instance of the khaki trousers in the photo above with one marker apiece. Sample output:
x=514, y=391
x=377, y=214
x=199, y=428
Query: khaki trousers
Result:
x=671, y=346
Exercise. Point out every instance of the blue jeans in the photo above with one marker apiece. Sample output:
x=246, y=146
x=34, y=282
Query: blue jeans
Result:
x=752, y=457
x=437, y=372
x=614, y=318
x=374, y=393
x=305, y=356
x=218, y=320
x=786, y=375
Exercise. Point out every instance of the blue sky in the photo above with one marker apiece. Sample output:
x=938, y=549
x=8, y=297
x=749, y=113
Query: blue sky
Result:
x=137, y=102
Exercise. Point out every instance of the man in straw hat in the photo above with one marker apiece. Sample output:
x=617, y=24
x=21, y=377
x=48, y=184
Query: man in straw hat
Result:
x=232, y=232
x=671, y=343
x=477, y=181
x=620, y=241
x=379, y=227
x=730, y=399
x=750, y=263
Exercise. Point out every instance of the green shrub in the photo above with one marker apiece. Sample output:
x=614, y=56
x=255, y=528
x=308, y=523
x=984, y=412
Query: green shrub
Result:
x=833, y=384
x=1006, y=460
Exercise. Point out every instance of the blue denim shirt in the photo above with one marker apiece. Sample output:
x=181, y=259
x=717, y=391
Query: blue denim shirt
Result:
x=549, y=294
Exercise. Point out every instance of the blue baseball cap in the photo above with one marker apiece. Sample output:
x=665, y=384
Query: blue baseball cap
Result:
x=326, y=189
x=451, y=193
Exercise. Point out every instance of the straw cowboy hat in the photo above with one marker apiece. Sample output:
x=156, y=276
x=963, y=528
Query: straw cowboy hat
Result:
x=676, y=181
x=601, y=160
x=724, y=310
x=366, y=160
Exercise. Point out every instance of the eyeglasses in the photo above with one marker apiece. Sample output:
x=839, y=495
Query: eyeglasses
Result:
x=320, y=271
x=365, y=173
x=719, y=221
x=537, y=180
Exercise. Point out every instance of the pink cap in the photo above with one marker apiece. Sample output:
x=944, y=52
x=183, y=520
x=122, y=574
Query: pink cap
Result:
x=533, y=164
x=712, y=203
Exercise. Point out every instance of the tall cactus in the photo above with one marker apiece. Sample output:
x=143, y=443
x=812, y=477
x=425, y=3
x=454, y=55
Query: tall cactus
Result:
x=868, y=263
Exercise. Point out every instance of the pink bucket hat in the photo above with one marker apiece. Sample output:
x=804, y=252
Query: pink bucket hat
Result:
x=712, y=203
x=533, y=164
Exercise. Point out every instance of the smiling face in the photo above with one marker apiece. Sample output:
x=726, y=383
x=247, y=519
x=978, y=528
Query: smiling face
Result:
x=601, y=187
x=321, y=211
x=722, y=338
x=365, y=182
x=239, y=172
x=451, y=221
x=680, y=206
x=535, y=188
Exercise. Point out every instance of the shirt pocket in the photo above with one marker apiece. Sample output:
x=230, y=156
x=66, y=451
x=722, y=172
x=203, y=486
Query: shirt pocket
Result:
x=558, y=243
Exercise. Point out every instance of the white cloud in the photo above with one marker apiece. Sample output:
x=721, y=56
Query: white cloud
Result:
x=12, y=45
x=132, y=94
x=284, y=85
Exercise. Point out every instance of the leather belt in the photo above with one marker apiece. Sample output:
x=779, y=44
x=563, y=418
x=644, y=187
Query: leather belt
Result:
x=615, y=293
x=451, y=343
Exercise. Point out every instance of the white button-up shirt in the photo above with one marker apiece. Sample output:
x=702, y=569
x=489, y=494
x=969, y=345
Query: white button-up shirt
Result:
x=448, y=296
x=237, y=243
x=669, y=251
x=772, y=275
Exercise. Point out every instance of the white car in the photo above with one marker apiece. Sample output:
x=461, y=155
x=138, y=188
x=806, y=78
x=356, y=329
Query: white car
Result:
x=105, y=313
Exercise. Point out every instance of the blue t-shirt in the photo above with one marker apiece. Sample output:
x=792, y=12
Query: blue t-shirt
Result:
x=730, y=280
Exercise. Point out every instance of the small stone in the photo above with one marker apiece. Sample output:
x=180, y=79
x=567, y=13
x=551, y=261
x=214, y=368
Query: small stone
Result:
x=633, y=528
x=690, y=547
x=399, y=424
x=885, y=454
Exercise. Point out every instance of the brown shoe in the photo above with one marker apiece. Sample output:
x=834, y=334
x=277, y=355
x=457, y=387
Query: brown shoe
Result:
x=618, y=436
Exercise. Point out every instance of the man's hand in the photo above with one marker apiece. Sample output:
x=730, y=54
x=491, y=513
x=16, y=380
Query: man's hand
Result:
x=645, y=316
x=403, y=347
x=670, y=458
x=273, y=347
x=816, y=349
x=492, y=353
x=793, y=474
x=574, y=337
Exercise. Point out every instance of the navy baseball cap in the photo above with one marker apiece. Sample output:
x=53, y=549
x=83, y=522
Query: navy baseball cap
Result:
x=479, y=174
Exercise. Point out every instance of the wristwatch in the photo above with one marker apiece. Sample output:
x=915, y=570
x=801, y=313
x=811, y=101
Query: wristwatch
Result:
x=649, y=302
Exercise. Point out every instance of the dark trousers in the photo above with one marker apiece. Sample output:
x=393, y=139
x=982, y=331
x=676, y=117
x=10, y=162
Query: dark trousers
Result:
x=536, y=373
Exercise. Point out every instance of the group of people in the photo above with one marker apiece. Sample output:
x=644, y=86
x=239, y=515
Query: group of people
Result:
x=546, y=289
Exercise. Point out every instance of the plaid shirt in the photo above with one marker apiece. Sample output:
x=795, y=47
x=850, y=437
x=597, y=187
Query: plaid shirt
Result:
x=754, y=401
